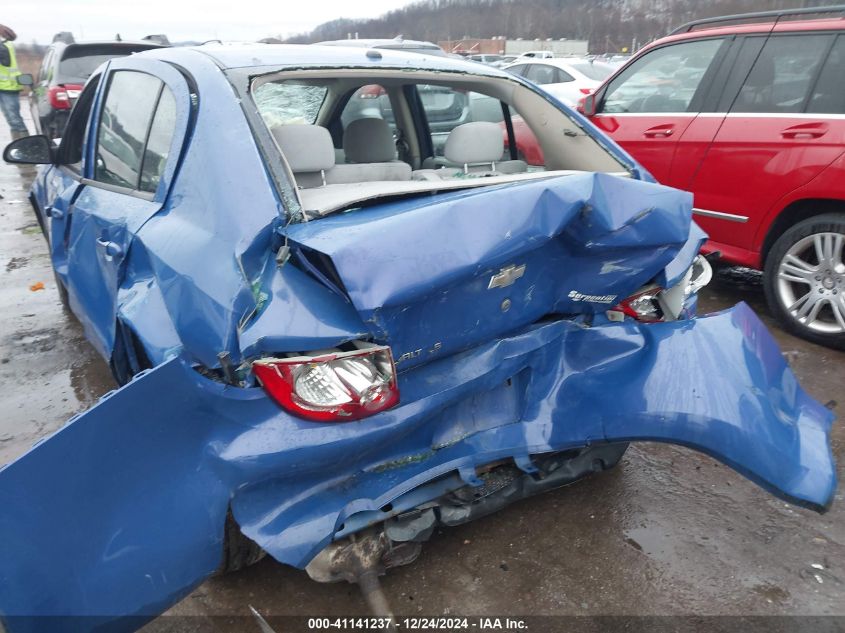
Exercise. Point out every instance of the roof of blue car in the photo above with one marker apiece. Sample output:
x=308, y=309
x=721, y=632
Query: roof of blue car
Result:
x=293, y=55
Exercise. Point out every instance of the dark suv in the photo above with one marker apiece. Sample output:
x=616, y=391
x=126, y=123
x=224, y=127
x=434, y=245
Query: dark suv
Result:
x=65, y=69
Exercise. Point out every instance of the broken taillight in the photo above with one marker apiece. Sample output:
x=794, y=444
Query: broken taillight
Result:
x=332, y=387
x=644, y=305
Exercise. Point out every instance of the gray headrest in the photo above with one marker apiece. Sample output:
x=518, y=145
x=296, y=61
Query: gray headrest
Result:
x=477, y=142
x=307, y=148
x=369, y=141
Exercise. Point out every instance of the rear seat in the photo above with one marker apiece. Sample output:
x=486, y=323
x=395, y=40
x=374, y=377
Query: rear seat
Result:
x=473, y=149
x=310, y=153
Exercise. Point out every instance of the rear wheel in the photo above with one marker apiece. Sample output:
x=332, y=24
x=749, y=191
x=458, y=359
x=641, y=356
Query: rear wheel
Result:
x=805, y=279
x=239, y=551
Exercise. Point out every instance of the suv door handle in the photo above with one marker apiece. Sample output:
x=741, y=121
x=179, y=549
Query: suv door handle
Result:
x=805, y=130
x=112, y=249
x=659, y=131
x=51, y=212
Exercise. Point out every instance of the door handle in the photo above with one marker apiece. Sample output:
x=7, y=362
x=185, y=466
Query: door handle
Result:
x=663, y=131
x=805, y=131
x=51, y=212
x=112, y=249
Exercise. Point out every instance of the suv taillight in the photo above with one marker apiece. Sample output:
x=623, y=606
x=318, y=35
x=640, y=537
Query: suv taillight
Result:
x=333, y=387
x=58, y=98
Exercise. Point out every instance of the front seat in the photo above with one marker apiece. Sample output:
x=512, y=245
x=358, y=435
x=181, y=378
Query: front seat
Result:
x=368, y=145
x=475, y=149
x=310, y=154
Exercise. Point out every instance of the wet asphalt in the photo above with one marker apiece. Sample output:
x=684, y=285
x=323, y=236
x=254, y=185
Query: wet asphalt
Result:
x=668, y=532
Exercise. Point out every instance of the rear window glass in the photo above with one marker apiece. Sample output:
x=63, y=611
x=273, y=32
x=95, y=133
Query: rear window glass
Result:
x=543, y=74
x=596, y=72
x=286, y=102
x=79, y=62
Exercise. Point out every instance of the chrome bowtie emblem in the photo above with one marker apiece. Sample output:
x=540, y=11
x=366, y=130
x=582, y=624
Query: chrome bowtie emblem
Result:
x=506, y=276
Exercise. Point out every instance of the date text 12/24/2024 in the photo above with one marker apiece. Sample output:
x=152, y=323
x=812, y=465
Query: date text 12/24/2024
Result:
x=418, y=624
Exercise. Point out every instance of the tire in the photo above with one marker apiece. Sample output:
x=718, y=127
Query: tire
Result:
x=239, y=552
x=804, y=280
x=62, y=291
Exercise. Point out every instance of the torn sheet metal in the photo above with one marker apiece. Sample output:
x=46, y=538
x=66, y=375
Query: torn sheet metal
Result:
x=121, y=512
x=420, y=272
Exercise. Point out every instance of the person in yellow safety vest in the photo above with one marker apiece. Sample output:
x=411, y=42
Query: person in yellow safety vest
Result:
x=10, y=89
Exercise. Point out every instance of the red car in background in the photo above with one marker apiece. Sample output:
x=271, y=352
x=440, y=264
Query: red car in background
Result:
x=751, y=118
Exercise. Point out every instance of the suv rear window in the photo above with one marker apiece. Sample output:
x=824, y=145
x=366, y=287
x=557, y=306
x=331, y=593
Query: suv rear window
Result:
x=80, y=61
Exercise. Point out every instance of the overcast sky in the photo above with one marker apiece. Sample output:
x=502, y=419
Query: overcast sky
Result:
x=180, y=19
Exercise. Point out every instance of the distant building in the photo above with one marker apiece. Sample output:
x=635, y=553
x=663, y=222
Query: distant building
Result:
x=502, y=46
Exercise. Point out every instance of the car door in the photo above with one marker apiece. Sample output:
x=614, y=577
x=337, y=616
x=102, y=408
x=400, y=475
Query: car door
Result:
x=133, y=139
x=38, y=104
x=783, y=126
x=648, y=106
x=63, y=181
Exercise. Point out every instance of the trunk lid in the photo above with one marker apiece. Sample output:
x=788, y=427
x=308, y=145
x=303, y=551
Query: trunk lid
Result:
x=434, y=274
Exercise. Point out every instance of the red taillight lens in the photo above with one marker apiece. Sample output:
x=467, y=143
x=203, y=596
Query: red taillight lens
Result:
x=372, y=91
x=335, y=387
x=585, y=91
x=58, y=98
x=643, y=305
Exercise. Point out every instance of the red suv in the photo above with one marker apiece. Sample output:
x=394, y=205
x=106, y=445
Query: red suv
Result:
x=751, y=119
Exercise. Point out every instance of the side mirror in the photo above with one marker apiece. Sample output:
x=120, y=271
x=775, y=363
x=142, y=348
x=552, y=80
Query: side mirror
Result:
x=587, y=105
x=25, y=79
x=29, y=150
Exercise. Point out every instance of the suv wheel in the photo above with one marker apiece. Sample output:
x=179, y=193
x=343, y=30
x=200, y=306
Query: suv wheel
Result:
x=805, y=279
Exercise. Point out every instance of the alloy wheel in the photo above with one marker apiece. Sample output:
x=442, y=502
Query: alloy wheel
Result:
x=811, y=282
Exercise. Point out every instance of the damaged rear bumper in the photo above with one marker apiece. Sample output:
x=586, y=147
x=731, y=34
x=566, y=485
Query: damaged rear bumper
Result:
x=121, y=513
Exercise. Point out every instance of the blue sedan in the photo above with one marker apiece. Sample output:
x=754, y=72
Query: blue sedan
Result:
x=345, y=309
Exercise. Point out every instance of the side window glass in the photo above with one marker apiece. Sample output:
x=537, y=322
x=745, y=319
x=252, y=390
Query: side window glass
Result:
x=73, y=140
x=123, y=126
x=541, y=74
x=664, y=80
x=517, y=70
x=159, y=141
x=563, y=77
x=45, y=66
x=781, y=76
x=828, y=96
